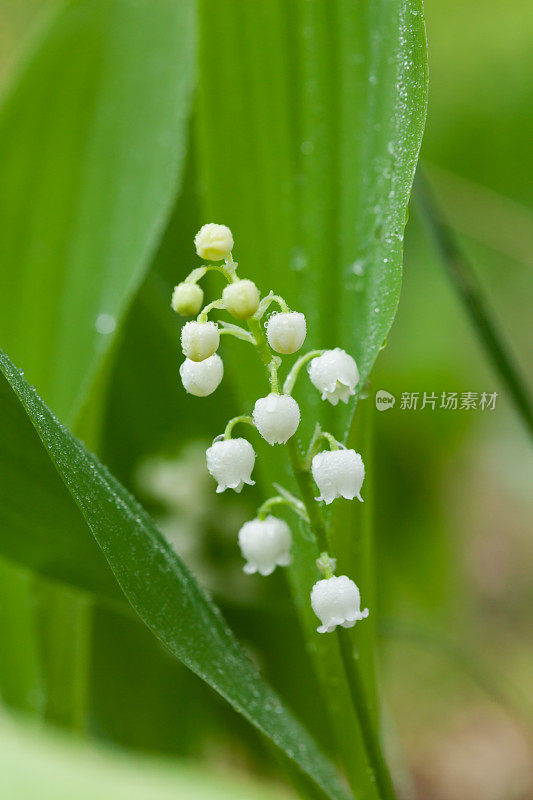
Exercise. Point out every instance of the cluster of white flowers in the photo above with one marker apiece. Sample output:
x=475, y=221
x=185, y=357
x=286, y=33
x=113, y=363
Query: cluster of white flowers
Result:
x=265, y=542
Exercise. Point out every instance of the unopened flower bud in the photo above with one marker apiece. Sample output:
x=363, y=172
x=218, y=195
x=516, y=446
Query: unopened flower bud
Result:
x=286, y=332
x=276, y=417
x=338, y=473
x=241, y=298
x=335, y=375
x=187, y=299
x=336, y=601
x=265, y=544
x=201, y=378
x=231, y=462
x=199, y=340
x=213, y=242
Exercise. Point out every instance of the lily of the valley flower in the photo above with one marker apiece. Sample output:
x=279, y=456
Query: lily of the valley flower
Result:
x=265, y=544
x=199, y=340
x=201, y=378
x=187, y=299
x=286, y=331
x=231, y=462
x=213, y=242
x=337, y=601
x=338, y=473
x=276, y=417
x=335, y=375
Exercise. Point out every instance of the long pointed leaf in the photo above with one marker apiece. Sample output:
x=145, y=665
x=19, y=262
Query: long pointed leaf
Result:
x=155, y=581
x=310, y=160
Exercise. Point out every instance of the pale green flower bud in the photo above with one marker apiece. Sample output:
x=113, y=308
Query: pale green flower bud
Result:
x=187, y=299
x=214, y=242
x=241, y=298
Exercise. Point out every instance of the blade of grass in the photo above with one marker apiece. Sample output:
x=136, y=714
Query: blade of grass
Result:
x=463, y=278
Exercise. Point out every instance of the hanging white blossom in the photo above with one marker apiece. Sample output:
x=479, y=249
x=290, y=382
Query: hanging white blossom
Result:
x=335, y=375
x=265, y=544
x=286, y=331
x=231, y=462
x=201, y=378
x=336, y=601
x=276, y=417
x=338, y=473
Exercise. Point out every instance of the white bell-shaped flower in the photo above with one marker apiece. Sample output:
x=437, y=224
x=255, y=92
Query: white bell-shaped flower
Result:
x=231, y=462
x=338, y=473
x=336, y=601
x=199, y=340
x=187, y=299
x=213, y=242
x=265, y=544
x=286, y=331
x=335, y=375
x=276, y=417
x=201, y=378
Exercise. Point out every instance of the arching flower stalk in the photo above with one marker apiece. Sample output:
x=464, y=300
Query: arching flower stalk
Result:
x=265, y=541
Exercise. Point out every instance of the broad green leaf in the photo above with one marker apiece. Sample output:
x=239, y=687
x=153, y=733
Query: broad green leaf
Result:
x=310, y=160
x=39, y=764
x=92, y=139
x=152, y=577
x=91, y=142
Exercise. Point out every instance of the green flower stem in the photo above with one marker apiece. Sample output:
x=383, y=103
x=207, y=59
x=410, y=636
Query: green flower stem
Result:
x=307, y=490
x=378, y=765
x=202, y=316
x=267, y=301
x=236, y=331
x=296, y=505
x=290, y=380
x=318, y=435
x=231, y=424
x=197, y=274
x=376, y=760
x=270, y=361
x=326, y=565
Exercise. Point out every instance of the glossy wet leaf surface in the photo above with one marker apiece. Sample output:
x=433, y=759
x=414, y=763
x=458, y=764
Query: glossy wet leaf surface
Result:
x=154, y=580
x=310, y=160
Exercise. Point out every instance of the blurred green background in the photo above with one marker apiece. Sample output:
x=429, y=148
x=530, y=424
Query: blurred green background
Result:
x=453, y=496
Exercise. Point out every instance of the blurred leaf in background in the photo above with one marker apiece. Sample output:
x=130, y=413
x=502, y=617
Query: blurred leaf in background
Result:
x=92, y=136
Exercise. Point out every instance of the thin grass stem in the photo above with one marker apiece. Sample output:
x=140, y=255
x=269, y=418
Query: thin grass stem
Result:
x=463, y=278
